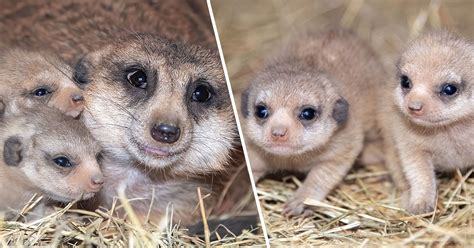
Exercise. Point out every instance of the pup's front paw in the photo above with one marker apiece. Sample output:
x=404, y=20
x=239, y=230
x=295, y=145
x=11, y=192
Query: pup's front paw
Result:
x=294, y=206
x=421, y=206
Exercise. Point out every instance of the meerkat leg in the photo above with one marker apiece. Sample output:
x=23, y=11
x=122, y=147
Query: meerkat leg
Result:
x=421, y=178
x=392, y=162
x=319, y=182
x=258, y=165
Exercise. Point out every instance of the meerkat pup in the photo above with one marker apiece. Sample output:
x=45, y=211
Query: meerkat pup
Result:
x=310, y=110
x=428, y=116
x=29, y=78
x=49, y=154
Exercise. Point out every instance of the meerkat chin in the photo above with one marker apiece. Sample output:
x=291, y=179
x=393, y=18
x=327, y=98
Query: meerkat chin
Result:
x=305, y=111
x=428, y=122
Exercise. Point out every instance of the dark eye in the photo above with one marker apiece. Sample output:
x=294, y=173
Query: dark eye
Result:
x=137, y=78
x=261, y=112
x=202, y=93
x=307, y=114
x=41, y=92
x=63, y=161
x=405, y=82
x=449, y=89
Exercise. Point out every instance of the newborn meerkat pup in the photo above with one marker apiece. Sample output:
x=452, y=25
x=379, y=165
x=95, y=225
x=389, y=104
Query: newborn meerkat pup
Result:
x=428, y=122
x=46, y=153
x=310, y=110
x=29, y=78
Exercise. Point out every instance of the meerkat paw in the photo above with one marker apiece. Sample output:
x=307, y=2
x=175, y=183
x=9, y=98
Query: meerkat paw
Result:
x=294, y=206
x=421, y=206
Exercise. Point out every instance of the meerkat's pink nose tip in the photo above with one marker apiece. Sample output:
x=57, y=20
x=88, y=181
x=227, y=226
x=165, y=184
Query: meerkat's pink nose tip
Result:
x=279, y=134
x=96, y=183
x=416, y=107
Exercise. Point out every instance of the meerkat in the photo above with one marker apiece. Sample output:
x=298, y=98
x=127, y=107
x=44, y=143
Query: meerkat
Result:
x=47, y=153
x=310, y=109
x=29, y=78
x=427, y=116
x=169, y=104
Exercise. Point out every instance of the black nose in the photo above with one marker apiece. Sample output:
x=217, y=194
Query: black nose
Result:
x=165, y=133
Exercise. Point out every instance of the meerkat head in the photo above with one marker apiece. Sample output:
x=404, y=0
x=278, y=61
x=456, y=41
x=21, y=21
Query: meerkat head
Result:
x=288, y=111
x=56, y=153
x=163, y=104
x=31, y=78
x=436, y=80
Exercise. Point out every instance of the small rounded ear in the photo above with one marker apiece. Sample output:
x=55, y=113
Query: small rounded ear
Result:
x=12, y=151
x=340, y=112
x=81, y=72
x=244, y=103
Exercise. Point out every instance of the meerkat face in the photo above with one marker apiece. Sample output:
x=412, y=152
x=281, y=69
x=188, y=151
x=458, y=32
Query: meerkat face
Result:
x=436, y=81
x=290, y=114
x=29, y=79
x=163, y=104
x=61, y=160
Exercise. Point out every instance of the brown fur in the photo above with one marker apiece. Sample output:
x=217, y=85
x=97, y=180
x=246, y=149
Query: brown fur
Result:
x=315, y=70
x=29, y=143
x=440, y=136
x=72, y=28
x=23, y=72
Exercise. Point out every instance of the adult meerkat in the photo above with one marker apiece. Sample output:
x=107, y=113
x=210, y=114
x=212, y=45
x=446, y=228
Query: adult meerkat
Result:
x=162, y=112
x=47, y=153
x=30, y=78
x=311, y=109
x=427, y=117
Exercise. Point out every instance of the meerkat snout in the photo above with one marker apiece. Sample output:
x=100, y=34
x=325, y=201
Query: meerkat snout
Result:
x=165, y=133
x=96, y=183
x=416, y=107
x=279, y=134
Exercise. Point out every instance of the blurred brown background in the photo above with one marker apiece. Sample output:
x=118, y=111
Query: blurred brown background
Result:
x=250, y=30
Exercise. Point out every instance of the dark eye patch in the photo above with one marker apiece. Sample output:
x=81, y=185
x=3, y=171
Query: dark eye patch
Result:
x=202, y=95
x=137, y=80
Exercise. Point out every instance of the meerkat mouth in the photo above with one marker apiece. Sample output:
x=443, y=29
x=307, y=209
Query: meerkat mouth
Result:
x=428, y=122
x=156, y=151
x=282, y=149
x=59, y=198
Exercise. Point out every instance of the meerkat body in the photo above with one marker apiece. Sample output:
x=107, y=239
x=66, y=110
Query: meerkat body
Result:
x=49, y=154
x=311, y=109
x=30, y=78
x=427, y=118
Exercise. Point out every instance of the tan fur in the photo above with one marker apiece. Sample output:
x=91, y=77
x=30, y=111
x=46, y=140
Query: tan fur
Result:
x=440, y=137
x=43, y=134
x=23, y=72
x=313, y=70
